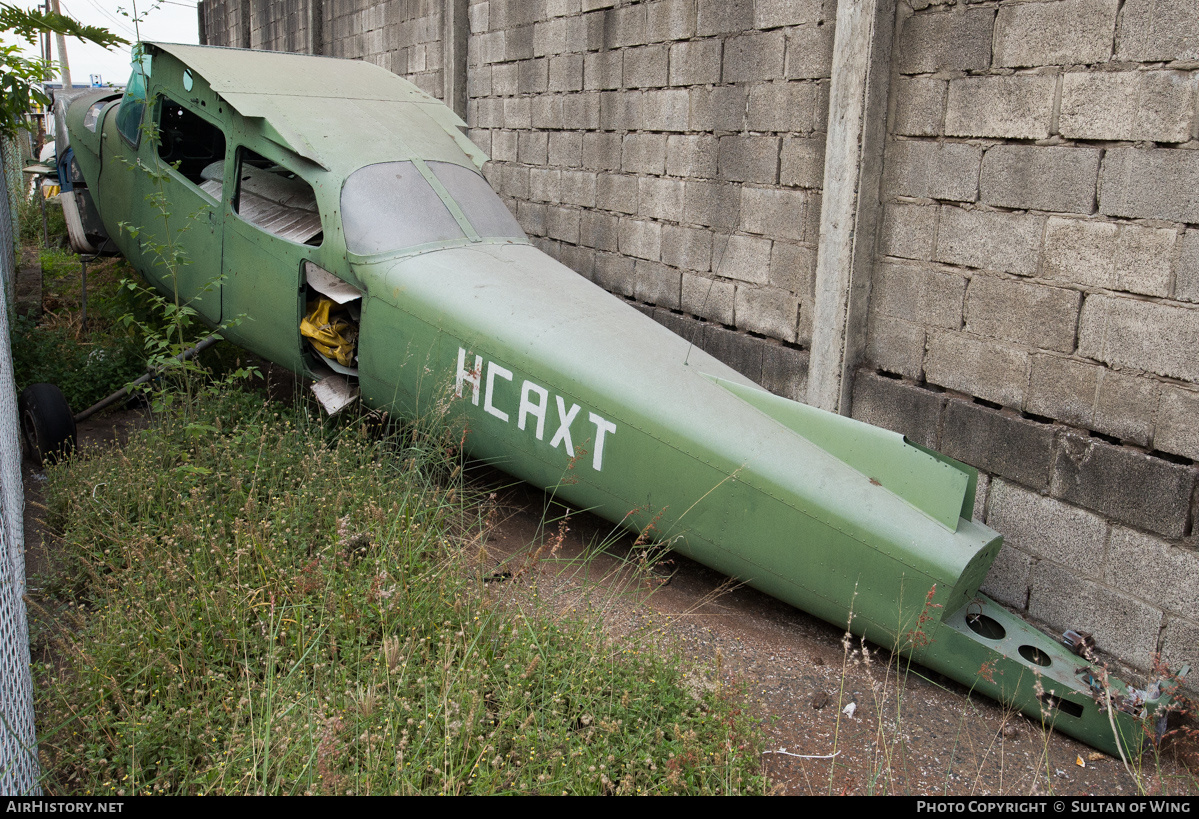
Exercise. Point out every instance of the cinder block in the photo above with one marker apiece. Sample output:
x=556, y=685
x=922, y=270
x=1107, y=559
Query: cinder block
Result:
x=988, y=369
x=656, y=284
x=919, y=106
x=785, y=371
x=666, y=109
x=545, y=184
x=786, y=107
x=741, y=352
x=601, y=151
x=708, y=298
x=1022, y=312
x=1128, y=105
x=669, y=20
x=772, y=13
x=532, y=147
x=505, y=79
x=991, y=240
x=562, y=223
x=1008, y=580
x=547, y=112
x=1125, y=484
x=724, y=17
x=644, y=153
x=1145, y=183
x=513, y=181
x=1065, y=32
x=682, y=326
x=531, y=216
x=566, y=72
x=616, y=192
x=810, y=52
x=1177, y=429
x=599, y=230
x=621, y=110
x=603, y=70
x=1093, y=397
x=773, y=212
x=1180, y=646
x=688, y=248
x=518, y=43
x=614, y=273
x=896, y=346
x=1153, y=30
x=908, y=230
x=566, y=150
x=753, y=57
x=1048, y=528
x=1109, y=255
x=660, y=198
x=1122, y=625
x=712, y=204
x=744, y=258
x=919, y=294
x=900, y=406
x=578, y=188
x=1154, y=337
x=581, y=111
x=645, y=66
x=767, y=310
x=691, y=155
x=503, y=145
x=749, y=159
x=695, y=62
x=1186, y=281
x=931, y=170
x=1016, y=106
x=518, y=112
x=1040, y=177
x=641, y=239
x=793, y=268
x=802, y=162
x=718, y=109
x=1157, y=571
x=1000, y=443
x=955, y=40
x=549, y=37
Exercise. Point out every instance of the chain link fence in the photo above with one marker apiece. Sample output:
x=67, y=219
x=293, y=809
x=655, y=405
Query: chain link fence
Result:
x=19, y=770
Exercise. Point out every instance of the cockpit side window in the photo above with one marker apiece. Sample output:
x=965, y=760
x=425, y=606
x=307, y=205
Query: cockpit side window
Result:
x=129, y=115
x=189, y=143
x=276, y=199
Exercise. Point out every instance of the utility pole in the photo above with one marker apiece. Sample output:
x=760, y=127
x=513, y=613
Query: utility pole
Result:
x=61, y=41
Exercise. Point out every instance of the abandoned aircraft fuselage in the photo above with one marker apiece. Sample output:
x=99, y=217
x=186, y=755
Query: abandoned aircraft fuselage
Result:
x=309, y=181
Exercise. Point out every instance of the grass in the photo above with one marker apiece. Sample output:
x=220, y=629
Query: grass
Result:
x=255, y=601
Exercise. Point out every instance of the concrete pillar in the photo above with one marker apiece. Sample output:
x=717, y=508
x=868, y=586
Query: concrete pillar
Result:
x=850, y=211
x=455, y=28
x=316, y=27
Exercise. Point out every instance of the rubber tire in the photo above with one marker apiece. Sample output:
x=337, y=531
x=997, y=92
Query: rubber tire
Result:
x=47, y=425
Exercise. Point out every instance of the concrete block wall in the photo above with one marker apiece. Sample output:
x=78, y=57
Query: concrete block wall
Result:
x=1034, y=311
x=670, y=150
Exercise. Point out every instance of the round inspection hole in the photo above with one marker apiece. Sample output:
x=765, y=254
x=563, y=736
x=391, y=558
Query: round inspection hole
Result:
x=1034, y=655
x=984, y=626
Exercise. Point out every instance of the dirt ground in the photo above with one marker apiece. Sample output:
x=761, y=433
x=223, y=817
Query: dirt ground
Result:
x=919, y=735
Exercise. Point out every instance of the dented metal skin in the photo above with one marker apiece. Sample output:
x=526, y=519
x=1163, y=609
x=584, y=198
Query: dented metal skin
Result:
x=558, y=382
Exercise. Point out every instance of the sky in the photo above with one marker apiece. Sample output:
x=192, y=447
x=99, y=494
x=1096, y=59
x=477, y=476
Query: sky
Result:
x=169, y=21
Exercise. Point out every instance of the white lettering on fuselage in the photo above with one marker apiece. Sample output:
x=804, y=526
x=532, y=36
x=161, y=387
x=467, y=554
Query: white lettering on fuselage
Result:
x=534, y=403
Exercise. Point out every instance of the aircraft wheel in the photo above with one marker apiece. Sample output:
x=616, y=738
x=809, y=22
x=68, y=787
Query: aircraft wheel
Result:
x=47, y=425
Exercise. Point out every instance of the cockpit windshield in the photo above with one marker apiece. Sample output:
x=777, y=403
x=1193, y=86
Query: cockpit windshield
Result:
x=129, y=115
x=393, y=206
